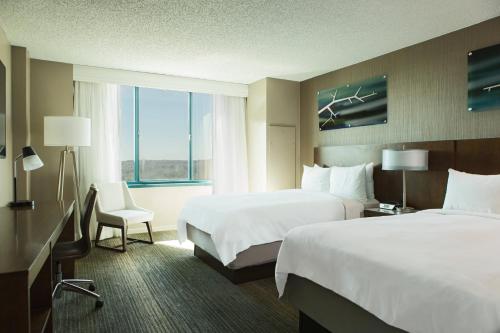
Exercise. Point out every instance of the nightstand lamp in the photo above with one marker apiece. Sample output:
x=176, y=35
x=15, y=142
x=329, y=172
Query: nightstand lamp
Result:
x=405, y=160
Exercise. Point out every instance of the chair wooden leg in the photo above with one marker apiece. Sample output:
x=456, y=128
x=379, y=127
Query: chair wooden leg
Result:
x=98, y=234
x=124, y=238
x=148, y=225
x=119, y=248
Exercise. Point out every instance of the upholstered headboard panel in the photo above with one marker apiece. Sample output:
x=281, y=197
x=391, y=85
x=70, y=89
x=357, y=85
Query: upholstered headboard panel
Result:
x=424, y=189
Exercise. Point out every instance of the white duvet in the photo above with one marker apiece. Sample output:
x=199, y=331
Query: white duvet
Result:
x=239, y=221
x=434, y=271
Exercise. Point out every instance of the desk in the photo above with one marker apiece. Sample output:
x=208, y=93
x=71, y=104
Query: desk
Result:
x=26, y=240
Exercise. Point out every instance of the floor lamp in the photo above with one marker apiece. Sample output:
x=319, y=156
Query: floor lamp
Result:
x=68, y=132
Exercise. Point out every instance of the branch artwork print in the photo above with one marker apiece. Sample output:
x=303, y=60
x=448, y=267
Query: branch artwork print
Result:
x=495, y=86
x=483, y=74
x=329, y=107
x=352, y=105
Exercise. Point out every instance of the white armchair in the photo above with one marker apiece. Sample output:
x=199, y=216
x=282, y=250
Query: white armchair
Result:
x=115, y=208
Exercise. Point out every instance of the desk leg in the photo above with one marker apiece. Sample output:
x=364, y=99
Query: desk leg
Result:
x=41, y=299
x=68, y=235
x=14, y=302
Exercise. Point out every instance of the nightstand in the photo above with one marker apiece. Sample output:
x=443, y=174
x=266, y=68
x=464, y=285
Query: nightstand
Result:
x=371, y=212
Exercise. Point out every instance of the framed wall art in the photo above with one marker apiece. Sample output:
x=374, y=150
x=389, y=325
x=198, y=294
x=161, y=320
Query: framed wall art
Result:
x=360, y=104
x=484, y=79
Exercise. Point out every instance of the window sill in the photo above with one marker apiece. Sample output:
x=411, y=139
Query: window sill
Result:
x=169, y=183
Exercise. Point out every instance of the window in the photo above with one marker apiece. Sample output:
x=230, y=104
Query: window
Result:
x=165, y=136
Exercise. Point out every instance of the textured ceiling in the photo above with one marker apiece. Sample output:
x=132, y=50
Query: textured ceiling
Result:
x=231, y=40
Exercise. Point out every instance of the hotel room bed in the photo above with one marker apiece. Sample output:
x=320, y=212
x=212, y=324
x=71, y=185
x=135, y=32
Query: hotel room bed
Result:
x=433, y=271
x=246, y=230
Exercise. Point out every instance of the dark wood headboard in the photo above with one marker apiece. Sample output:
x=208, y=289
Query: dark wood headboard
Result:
x=424, y=189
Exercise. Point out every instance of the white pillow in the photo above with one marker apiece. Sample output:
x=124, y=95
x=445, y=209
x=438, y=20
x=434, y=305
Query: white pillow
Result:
x=370, y=185
x=470, y=192
x=349, y=182
x=316, y=179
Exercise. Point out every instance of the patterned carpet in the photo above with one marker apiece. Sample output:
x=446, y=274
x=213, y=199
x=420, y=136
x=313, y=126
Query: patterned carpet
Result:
x=163, y=288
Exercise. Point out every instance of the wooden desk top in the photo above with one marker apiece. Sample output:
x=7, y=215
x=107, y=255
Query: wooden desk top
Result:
x=26, y=234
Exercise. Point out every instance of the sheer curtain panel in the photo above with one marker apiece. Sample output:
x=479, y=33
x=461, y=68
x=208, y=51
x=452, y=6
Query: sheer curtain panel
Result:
x=230, y=170
x=100, y=162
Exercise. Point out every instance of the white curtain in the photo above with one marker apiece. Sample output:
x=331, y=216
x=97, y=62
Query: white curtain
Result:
x=101, y=161
x=230, y=169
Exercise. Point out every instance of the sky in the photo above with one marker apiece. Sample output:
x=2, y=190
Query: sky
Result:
x=164, y=124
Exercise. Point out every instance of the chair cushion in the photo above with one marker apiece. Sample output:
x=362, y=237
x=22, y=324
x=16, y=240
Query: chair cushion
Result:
x=69, y=250
x=126, y=216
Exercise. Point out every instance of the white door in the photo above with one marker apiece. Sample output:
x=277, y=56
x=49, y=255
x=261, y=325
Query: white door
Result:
x=281, y=158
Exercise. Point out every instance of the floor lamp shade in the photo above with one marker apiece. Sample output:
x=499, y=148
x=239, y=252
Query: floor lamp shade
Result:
x=66, y=131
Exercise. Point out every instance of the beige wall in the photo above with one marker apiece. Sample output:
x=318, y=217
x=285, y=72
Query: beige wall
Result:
x=427, y=94
x=166, y=203
x=6, y=193
x=283, y=105
x=51, y=94
x=21, y=112
x=282, y=102
x=271, y=102
x=256, y=124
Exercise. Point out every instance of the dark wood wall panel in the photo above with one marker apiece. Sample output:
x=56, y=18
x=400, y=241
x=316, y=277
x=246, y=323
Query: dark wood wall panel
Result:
x=425, y=189
x=478, y=156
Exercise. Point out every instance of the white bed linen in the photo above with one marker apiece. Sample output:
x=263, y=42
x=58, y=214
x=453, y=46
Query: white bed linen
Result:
x=237, y=221
x=434, y=271
x=371, y=203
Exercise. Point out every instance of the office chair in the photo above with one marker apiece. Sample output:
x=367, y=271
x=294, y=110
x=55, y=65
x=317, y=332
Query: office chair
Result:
x=77, y=250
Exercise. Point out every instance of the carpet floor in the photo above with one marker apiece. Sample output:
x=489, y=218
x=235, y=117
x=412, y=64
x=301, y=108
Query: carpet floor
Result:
x=164, y=288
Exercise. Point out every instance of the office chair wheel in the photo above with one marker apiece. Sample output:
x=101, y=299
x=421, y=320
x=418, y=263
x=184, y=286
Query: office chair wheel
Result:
x=99, y=303
x=92, y=287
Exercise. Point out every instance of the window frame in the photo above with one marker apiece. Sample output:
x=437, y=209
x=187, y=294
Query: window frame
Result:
x=137, y=182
